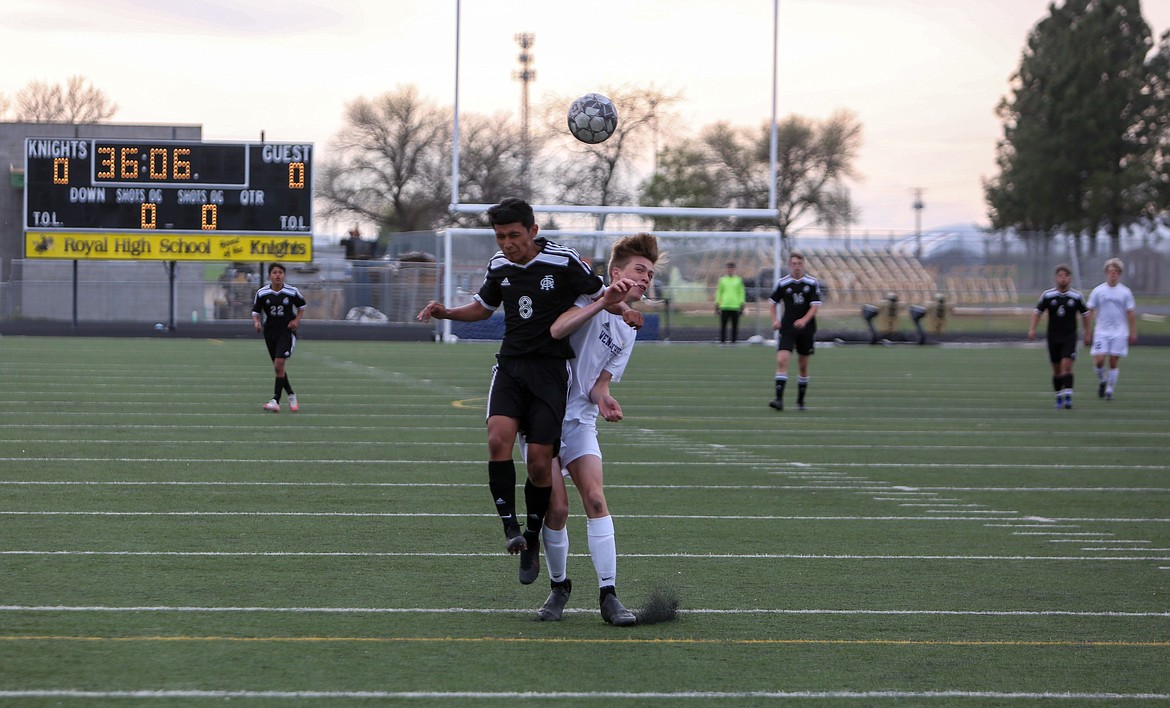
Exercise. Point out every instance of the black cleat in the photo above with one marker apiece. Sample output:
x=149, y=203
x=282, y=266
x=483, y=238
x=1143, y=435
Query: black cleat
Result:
x=554, y=606
x=514, y=542
x=613, y=612
x=777, y=404
x=1101, y=390
x=800, y=407
x=530, y=557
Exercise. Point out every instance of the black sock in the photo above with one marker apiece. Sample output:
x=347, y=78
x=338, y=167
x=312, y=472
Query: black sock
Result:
x=502, y=483
x=801, y=387
x=1068, y=381
x=536, y=499
x=287, y=386
x=277, y=388
x=1057, y=383
x=780, y=381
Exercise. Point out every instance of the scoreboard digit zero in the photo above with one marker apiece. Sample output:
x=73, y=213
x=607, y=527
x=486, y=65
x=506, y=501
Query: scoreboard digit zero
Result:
x=149, y=187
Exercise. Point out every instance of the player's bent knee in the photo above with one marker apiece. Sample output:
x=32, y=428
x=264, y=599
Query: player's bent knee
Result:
x=595, y=504
x=557, y=516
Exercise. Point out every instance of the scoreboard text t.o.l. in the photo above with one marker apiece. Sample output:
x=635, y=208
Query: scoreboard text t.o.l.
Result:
x=145, y=187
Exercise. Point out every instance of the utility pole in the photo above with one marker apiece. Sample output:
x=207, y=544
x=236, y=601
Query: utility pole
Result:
x=525, y=74
x=918, y=206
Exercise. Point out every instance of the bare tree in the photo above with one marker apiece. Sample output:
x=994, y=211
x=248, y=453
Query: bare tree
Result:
x=84, y=103
x=729, y=167
x=39, y=102
x=75, y=102
x=491, y=159
x=814, y=160
x=390, y=163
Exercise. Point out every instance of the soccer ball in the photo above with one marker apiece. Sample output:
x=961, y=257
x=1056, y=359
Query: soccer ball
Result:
x=592, y=118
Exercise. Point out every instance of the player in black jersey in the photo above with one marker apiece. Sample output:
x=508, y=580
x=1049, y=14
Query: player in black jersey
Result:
x=535, y=280
x=280, y=305
x=1062, y=305
x=800, y=296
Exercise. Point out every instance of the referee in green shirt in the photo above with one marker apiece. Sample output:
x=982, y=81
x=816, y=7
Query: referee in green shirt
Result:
x=729, y=300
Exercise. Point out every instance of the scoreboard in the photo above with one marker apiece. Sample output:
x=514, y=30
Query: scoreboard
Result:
x=167, y=199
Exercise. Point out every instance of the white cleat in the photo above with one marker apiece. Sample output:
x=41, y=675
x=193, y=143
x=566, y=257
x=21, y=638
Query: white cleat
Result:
x=292, y=403
x=272, y=406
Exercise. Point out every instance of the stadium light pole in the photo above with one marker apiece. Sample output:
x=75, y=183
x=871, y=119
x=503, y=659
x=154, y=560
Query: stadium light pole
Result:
x=773, y=148
x=526, y=75
x=455, y=124
x=447, y=277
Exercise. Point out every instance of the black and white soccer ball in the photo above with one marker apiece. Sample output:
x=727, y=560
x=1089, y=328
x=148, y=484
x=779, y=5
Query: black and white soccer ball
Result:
x=592, y=118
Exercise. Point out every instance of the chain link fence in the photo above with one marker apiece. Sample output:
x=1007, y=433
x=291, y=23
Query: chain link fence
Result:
x=976, y=284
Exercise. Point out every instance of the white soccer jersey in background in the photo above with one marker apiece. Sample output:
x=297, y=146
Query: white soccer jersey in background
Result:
x=1111, y=307
x=604, y=344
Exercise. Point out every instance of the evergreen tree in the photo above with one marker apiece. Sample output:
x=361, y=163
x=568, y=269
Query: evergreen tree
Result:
x=1077, y=128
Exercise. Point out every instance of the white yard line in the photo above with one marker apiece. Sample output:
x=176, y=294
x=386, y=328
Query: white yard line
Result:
x=581, y=695
x=494, y=556
x=194, y=609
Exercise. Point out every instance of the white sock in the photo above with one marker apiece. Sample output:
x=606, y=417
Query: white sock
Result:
x=556, y=552
x=1100, y=374
x=603, y=549
x=1111, y=380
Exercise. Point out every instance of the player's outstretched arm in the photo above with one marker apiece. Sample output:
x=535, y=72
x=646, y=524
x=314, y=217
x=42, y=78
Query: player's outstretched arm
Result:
x=571, y=319
x=471, y=312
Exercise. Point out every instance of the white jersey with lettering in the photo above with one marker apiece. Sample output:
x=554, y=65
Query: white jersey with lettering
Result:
x=1111, y=307
x=602, y=344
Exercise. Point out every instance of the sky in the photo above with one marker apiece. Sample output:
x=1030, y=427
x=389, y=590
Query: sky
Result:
x=923, y=77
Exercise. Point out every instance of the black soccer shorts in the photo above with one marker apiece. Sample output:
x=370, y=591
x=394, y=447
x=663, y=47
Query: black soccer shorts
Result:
x=281, y=342
x=799, y=339
x=533, y=390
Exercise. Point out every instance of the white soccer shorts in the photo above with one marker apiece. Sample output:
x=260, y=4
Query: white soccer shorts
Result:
x=578, y=438
x=1110, y=345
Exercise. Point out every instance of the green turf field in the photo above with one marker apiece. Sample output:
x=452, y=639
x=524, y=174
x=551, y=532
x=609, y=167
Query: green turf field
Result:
x=929, y=532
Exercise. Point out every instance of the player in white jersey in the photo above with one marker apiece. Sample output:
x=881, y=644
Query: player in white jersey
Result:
x=602, y=342
x=1113, y=326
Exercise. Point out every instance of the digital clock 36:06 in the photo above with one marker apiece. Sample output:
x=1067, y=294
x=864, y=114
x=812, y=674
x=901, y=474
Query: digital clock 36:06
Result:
x=178, y=163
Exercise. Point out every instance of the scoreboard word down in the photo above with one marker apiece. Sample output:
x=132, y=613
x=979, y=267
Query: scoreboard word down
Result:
x=150, y=186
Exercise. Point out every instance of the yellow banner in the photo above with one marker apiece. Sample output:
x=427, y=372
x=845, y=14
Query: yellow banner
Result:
x=138, y=246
